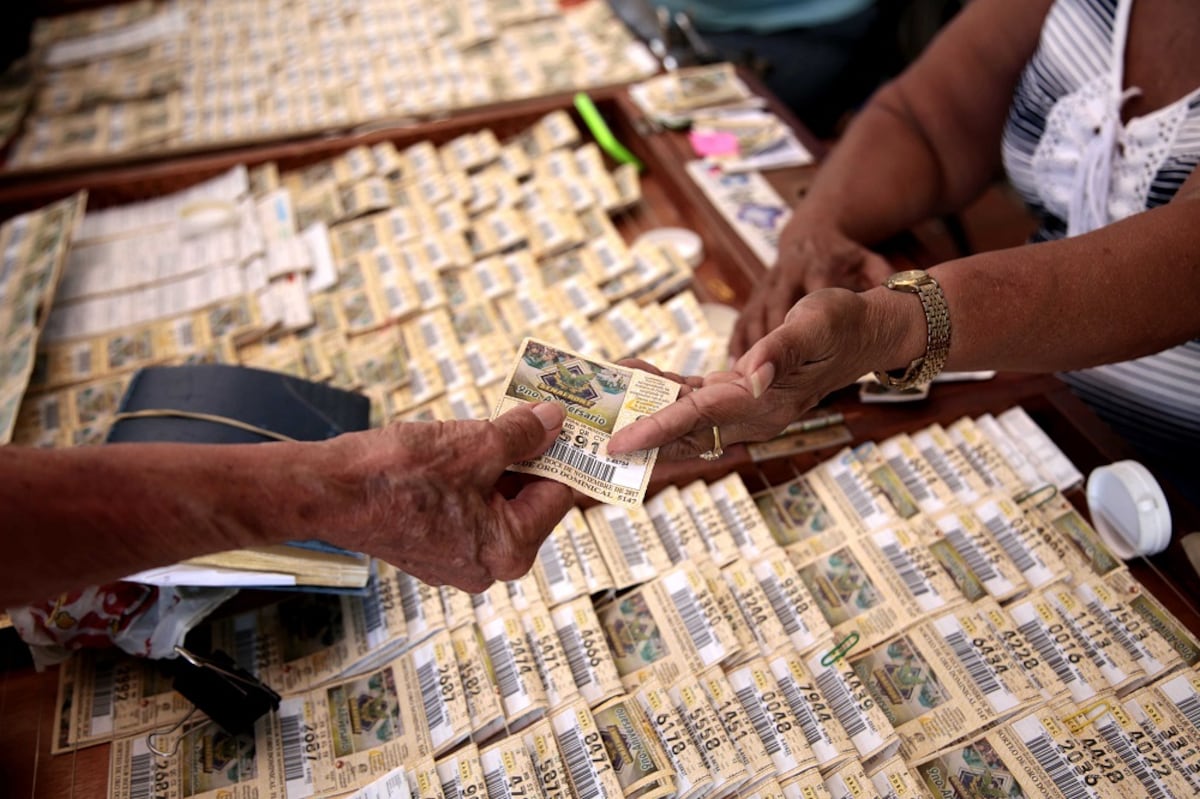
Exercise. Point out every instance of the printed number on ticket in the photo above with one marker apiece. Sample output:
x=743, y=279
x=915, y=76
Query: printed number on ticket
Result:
x=600, y=398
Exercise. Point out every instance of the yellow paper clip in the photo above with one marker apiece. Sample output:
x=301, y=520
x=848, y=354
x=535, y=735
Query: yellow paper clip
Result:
x=1089, y=713
x=841, y=650
x=1025, y=496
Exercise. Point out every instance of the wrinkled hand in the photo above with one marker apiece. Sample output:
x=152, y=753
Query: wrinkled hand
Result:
x=812, y=257
x=825, y=343
x=688, y=444
x=433, y=502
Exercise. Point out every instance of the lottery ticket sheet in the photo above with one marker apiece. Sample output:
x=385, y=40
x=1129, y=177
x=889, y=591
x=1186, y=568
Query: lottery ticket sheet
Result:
x=600, y=398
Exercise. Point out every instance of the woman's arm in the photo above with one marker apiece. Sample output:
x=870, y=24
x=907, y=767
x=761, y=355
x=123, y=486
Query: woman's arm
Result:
x=1127, y=290
x=925, y=144
x=1123, y=291
x=929, y=141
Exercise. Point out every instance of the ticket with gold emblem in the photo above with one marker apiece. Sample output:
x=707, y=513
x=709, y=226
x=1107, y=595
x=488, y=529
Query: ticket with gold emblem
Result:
x=600, y=399
x=669, y=627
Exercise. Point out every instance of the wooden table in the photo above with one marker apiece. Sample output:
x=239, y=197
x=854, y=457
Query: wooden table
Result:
x=27, y=698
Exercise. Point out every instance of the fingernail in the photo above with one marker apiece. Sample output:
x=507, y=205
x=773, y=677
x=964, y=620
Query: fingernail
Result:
x=760, y=381
x=549, y=414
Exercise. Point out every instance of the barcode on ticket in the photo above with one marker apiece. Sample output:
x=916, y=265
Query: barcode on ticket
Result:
x=916, y=485
x=627, y=540
x=1118, y=744
x=1010, y=530
x=1034, y=630
x=437, y=717
x=972, y=552
x=1186, y=699
x=860, y=729
x=141, y=776
x=103, y=679
x=980, y=672
x=857, y=489
x=578, y=459
x=582, y=751
x=293, y=732
x=695, y=621
x=936, y=458
x=1052, y=761
x=910, y=573
x=815, y=735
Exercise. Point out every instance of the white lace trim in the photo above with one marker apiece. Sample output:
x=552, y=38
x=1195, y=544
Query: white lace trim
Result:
x=1091, y=170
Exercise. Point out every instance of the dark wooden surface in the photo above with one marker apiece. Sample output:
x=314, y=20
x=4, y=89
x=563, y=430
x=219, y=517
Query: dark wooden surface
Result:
x=158, y=173
x=27, y=698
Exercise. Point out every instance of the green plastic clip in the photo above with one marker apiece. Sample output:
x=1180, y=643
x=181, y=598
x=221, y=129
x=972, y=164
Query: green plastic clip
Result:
x=841, y=650
x=602, y=133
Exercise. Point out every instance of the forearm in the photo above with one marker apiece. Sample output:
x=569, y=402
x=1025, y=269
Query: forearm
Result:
x=1121, y=292
x=929, y=141
x=89, y=515
x=881, y=178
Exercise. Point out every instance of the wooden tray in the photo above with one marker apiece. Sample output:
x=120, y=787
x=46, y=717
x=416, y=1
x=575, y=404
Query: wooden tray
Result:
x=669, y=198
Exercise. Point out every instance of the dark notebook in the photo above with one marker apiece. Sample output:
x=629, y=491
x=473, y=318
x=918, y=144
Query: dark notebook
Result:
x=296, y=408
x=290, y=406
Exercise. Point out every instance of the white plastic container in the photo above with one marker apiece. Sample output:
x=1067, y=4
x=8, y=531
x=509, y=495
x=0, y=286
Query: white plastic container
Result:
x=1128, y=509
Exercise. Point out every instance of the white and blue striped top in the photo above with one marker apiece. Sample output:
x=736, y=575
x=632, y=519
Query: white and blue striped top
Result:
x=1078, y=167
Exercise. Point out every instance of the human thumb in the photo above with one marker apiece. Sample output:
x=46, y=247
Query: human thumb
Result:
x=527, y=431
x=759, y=364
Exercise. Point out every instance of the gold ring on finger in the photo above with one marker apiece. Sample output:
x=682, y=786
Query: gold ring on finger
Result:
x=716, y=451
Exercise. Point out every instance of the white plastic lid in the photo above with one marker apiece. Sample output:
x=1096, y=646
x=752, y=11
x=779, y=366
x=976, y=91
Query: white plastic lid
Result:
x=683, y=241
x=721, y=319
x=1128, y=509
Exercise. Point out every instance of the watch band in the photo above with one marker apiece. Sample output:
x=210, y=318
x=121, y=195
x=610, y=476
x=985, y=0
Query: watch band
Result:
x=937, y=322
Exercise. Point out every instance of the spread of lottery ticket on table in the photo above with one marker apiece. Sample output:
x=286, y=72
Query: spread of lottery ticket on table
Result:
x=153, y=77
x=410, y=275
x=915, y=617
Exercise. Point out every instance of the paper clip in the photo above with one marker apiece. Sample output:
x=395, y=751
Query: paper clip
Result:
x=150, y=736
x=1025, y=496
x=1088, y=713
x=841, y=650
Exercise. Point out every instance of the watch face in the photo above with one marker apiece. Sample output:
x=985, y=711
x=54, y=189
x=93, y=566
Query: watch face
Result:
x=910, y=277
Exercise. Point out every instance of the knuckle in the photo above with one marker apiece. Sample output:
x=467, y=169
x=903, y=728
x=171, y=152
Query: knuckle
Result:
x=474, y=585
x=510, y=563
x=694, y=443
x=509, y=568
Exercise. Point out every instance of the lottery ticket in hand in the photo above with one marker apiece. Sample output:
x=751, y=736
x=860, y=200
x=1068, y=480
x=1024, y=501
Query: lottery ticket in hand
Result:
x=600, y=398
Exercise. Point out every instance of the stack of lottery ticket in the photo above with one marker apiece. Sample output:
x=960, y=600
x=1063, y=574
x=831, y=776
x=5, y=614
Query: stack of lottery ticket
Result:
x=738, y=670
x=33, y=250
x=407, y=275
x=675, y=96
x=176, y=75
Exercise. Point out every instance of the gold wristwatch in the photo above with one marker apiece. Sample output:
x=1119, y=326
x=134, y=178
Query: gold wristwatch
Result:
x=937, y=321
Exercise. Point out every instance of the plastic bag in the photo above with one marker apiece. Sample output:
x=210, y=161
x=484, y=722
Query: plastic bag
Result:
x=143, y=620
